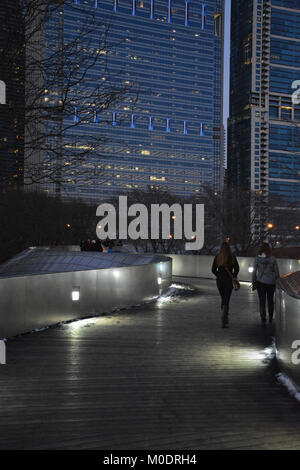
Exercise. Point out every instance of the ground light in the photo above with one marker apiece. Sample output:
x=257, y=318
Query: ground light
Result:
x=75, y=294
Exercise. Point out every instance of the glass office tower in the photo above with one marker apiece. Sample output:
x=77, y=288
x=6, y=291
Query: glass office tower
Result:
x=169, y=133
x=12, y=108
x=264, y=125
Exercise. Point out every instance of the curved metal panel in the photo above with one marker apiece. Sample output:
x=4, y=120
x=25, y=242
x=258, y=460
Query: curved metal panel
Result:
x=288, y=334
x=30, y=302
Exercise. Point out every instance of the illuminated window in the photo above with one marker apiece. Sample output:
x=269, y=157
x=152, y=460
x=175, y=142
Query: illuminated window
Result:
x=133, y=7
x=186, y=19
x=185, y=127
x=202, y=129
x=150, y=127
x=95, y=116
x=218, y=24
x=97, y=3
x=168, y=128
x=170, y=12
x=115, y=6
x=203, y=21
x=75, y=117
x=152, y=9
x=155, y=178
x=114, y=118
x=132, y=123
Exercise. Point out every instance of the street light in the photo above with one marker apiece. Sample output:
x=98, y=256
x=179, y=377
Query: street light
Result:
x=270, y=227
x=297, y=227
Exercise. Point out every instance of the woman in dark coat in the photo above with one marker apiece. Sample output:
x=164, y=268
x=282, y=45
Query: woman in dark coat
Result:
x=225, y=267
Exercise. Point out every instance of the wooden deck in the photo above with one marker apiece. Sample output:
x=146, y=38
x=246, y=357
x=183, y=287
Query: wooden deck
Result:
x=154, y=377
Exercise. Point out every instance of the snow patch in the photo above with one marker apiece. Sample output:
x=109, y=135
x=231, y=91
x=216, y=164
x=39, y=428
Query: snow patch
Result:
x=289, y=385
x=175, y=292
x=269, y=353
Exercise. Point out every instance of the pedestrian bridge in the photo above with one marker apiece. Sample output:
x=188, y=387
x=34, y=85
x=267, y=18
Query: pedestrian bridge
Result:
x=163, y=375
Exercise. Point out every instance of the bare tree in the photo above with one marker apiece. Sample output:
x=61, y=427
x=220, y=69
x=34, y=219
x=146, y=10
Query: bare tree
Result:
x=235, y=215
x=155, y=195
x=35, y=219
x=69, y=89
x=246, y=218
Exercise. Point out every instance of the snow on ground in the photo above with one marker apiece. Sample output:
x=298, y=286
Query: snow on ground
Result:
x=289, y=385
x=269, y=353
x=176, y=292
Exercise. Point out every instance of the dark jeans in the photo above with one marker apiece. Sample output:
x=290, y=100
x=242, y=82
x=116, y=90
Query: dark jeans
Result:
x=225, y=290
x=266, y=291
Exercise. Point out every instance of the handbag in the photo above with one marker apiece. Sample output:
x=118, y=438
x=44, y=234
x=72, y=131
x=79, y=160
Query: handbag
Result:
x=254, y=284
x=235, y=283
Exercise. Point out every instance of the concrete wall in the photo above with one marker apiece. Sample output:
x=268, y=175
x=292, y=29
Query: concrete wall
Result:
x=29, y=302
x=200, y=266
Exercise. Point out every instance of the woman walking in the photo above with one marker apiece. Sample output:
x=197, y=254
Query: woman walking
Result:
x=264, y=279
x=226, y=268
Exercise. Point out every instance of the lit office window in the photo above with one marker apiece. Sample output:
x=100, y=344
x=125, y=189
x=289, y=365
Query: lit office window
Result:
x=75, y=117
x=132, y=122
x=170, y=12
x=115, y=6
x=218, y=24
x=203, y=22
x=201, y=129
x=152, y=9
x=168, y=128
x=186, y=19
x=133, y=7
x=150, y=127
x=185, y=127
x=114, y=118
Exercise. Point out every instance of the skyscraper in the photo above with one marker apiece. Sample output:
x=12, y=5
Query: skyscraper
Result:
x=167, y=131
x=12, y=105
x=264, y=124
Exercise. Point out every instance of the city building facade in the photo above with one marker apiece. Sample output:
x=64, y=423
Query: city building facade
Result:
x=12, y=95
x=264, y=123
x=167, y=131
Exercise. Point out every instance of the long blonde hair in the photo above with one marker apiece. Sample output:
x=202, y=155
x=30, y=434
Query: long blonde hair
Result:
x=225, y=256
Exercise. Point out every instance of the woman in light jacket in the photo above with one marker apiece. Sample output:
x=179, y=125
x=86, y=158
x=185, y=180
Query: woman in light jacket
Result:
x=264, y=278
